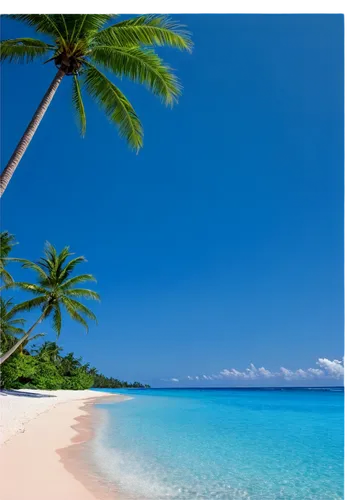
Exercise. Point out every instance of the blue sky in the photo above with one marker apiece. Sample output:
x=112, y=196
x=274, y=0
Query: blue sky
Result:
x=221, y=243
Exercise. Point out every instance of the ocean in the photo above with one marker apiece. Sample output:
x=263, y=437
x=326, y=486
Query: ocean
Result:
x=224, y=444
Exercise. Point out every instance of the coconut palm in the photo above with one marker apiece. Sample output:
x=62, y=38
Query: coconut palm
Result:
x=55, y=290
x=70, y=364
x=10, y=326
x=7, y=241
x=50, y=351
x=82, y=46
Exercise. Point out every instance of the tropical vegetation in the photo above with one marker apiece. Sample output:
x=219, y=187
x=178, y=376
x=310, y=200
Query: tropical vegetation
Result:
x=7, y=241
x=88, y=46
x=45, y=367
x=55, y=291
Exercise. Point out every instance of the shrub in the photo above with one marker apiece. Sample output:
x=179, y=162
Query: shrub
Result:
x=18, y=371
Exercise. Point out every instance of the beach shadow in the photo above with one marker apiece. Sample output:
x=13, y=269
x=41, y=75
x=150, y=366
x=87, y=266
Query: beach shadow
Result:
x=23, y=394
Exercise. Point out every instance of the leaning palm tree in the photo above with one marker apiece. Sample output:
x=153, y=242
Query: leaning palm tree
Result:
x=82, y=46
x=7, y=241
x=10, y=325
x=55, y=290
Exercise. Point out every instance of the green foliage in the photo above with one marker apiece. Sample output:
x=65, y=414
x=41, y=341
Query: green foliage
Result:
x=9, y=324
x=45, y=368
x=23, y=49
x=55, y=288
x=47, y=376
x=80, y=380
x=7, y=241
x=19, y=371
x=100, y=381
x=82, y=44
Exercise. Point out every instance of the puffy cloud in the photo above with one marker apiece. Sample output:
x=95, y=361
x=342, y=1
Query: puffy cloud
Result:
x=333, y=368
x=316, y=372
x=327, y=369
x=265, y=373
x=286, y=374
x=250, y=373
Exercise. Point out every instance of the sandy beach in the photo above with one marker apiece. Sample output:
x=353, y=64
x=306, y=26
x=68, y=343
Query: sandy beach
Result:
x=41, y=432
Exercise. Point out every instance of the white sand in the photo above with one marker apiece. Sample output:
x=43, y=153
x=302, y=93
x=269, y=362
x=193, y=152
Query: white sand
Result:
x=33, y=428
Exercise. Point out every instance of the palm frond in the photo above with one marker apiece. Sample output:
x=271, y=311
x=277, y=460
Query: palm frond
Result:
x=51, y=255
x=27, y=287
x=50, y=24
x=79, y=307
x=7, y=241
x=83, y=25
x=57, y=319
x=28, y=264
x=22, y=49
x=140, y=65
x=78, y=105
x=73, y=313
x=67, y=270
x=83, y=293
x=28, y=305
x=63, y=255
x=36, y=336
x=81, y=278
x=116, y=106
x=146, y=30
x=14, y=330
x=6, y=276
x=18, y=321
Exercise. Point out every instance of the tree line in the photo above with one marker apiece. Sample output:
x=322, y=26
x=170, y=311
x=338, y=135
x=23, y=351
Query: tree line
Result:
x=44, y=367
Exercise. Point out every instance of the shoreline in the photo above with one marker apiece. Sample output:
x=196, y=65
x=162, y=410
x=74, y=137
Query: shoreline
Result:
x=43, y=458
x=73, y=456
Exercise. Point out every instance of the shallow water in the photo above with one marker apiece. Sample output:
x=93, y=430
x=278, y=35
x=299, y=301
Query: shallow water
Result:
x=224, y=444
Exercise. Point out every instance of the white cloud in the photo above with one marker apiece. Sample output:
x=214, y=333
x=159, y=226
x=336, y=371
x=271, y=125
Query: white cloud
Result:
x=333, y=368
x=328, y=369
x=265, y=373
x=250, y=373
x=316, y=372
x=287, y=374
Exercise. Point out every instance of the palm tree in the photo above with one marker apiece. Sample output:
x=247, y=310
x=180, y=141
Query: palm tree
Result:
x=50, y=351
x=55, y=290
x=81, y=45
x=9, y=324
x=69, y=364
x=7, y=241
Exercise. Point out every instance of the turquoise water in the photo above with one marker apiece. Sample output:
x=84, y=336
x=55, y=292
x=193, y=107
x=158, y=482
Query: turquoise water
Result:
x=224, y=444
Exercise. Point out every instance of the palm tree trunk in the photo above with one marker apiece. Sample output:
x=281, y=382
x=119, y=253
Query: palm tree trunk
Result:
x=29, y=132
x=20, y=341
